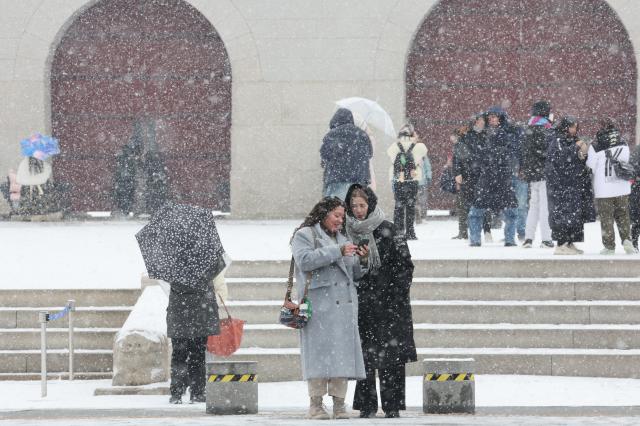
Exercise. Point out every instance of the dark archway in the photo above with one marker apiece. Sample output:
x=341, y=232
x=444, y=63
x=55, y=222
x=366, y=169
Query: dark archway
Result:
x=123, y=60
x=471, y=54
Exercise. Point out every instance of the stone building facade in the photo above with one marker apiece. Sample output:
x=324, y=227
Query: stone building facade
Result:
x=286, y=62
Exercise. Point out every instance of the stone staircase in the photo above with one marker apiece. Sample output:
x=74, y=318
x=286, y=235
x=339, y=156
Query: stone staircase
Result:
x=98, y=317
x=575, y=317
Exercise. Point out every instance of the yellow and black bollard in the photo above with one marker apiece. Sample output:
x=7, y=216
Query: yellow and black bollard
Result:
x=232, y=387
x=449, y=386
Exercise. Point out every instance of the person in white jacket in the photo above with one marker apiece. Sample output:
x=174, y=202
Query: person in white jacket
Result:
x=611, y=192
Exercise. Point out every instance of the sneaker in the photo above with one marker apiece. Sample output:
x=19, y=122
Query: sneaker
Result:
x=459, y=237
x=628, y=247
x=565, y=249
x=547, y=244
x=487, y=237
x=527, y=244
x=367, y=414
x=175, y=399
x=576, y=249
x=607, y=251
x=474, y=244
x=510, y=244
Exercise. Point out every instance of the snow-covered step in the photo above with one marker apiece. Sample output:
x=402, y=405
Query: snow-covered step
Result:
x=84, y=317
x=481, y=311
x=600, y=336
x=59, y=297
x=586, y=267
x=28, y=361
x=284, y=364
x=264, y=288
x=57, y=338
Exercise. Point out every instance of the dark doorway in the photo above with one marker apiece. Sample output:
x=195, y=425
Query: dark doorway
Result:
x=469, y=55
x=121, y=61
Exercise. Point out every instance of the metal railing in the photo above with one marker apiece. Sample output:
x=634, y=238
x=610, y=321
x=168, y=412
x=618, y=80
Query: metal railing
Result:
x=44, y=317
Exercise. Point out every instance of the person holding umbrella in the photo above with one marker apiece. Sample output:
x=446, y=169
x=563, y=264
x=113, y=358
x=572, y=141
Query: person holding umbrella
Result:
x=384, y=306
x=330, y=351
x=181, y=246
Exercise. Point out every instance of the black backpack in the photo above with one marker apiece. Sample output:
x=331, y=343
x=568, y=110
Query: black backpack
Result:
x=404, y=163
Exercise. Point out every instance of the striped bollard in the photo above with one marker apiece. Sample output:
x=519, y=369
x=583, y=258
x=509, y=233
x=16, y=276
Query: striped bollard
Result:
x=232, y=387
x=449, y=386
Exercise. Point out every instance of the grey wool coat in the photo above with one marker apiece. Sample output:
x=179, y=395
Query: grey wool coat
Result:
x=330, y=342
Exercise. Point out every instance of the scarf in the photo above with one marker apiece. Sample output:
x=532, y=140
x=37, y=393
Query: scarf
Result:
x=358, y=230
x=536, y=120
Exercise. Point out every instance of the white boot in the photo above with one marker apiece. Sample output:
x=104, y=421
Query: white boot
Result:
x=339, y=409
x=316, y=410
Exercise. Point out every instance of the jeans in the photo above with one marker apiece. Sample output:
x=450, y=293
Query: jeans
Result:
x=522, y=195
x=476, y=218
x=337, y=189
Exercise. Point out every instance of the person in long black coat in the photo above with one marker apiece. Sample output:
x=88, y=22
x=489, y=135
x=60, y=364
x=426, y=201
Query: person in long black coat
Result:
x=569, y=190
x=384, y=316
x=494, y=190
x=192, y=316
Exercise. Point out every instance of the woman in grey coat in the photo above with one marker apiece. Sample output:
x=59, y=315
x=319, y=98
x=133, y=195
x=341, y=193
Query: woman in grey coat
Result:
x=330, y=349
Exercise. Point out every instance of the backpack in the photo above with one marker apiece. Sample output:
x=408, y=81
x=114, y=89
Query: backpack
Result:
x=404, y=164
x=623, y=170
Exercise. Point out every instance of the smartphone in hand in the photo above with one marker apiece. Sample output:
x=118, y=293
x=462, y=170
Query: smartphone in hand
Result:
x=363, y=242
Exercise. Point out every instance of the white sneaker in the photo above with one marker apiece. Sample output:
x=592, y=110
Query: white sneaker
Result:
x=564, y=249
x=487, y=237
x=607, y=252
x=576, y=249
x=628, y=247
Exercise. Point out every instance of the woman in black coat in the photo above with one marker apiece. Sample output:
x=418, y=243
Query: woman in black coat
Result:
x=384, y=316
x=569, y=191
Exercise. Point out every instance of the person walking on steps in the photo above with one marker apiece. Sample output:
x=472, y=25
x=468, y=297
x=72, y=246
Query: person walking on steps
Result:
x=407, y=156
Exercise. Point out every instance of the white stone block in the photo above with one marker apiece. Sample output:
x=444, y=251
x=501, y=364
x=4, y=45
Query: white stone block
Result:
x=358, y=8
x=279, y=9
x=8, y=48
x=141, y=349
x=246, y=69
x=390, y=65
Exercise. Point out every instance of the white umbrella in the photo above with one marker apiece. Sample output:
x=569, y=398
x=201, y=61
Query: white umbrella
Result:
x=371, y=112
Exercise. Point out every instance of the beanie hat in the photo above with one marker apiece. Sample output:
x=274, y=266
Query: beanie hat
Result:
x=406, y=131
x=541, y=109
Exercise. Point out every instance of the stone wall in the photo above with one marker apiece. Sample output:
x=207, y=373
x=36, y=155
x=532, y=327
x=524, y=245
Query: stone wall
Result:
x=290, y=59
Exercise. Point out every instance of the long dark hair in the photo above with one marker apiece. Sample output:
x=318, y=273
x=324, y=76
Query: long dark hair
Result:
x=319, y=212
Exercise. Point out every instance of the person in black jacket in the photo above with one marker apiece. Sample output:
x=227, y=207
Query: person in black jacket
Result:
x=494, y=190
x=533, y=154
x=345, y=153
x=568, y=180
x=384, y=311
x=466, y=169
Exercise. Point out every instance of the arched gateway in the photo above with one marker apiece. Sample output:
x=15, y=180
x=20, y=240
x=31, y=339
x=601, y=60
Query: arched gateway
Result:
x=122, y=61
x=471, y=54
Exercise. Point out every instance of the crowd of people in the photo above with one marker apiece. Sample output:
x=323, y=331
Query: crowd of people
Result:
x=545, y=176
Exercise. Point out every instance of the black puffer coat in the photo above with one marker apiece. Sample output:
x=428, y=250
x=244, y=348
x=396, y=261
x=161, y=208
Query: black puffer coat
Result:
x=466, y=160
x=494, y=189
x=569, y=190
x=533, y=152
x=345, y=151
x=384, y=302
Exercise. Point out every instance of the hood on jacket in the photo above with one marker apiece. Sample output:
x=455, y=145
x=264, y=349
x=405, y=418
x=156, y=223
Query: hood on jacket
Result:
x=541, y=109
x=340, y=118
x=500, y=112
x=565, y=123
x=372, y=202
x=608, y=136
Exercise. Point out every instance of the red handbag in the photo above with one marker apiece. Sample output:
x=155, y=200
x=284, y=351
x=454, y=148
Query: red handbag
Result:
x=230, y=337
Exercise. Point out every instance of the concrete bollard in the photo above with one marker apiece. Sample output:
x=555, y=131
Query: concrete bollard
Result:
x=449, y=386
x=232, y=387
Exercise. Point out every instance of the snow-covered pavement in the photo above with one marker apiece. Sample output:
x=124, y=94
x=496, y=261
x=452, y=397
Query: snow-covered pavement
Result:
x=526, y=397
x=105, y=254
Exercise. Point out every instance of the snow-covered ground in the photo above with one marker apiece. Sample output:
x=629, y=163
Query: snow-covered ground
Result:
x=507, y=392
x=105, y=254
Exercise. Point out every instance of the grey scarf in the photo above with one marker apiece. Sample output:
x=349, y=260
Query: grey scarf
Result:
x=358, y=230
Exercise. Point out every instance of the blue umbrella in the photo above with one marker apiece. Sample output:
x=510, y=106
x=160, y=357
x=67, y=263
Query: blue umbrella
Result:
x=39, y=146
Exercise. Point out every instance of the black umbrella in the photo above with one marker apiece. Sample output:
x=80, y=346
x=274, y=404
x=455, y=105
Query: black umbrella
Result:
x=181, y=246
